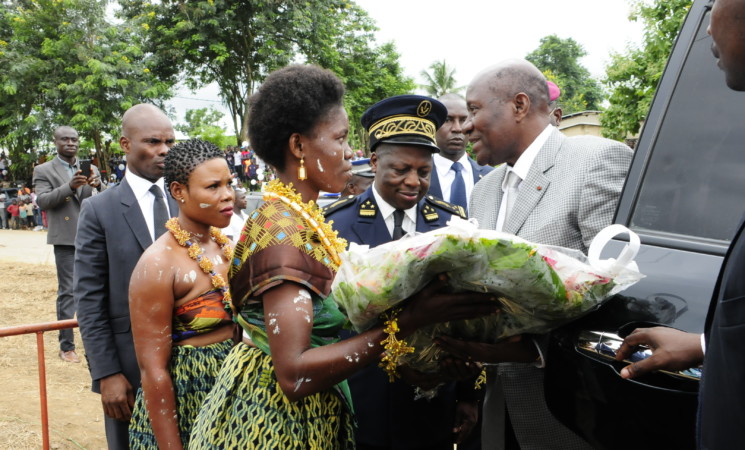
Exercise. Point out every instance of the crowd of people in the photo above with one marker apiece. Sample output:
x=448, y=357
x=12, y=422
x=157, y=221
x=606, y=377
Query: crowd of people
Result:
x=207, y=328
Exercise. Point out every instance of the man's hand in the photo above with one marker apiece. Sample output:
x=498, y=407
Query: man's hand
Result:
x=94, y=181
x=466, y=416
x=78, y=180
x=512, y=349
x=671, y=350
x=457, y=369
x=419, y=379
x=117, y=397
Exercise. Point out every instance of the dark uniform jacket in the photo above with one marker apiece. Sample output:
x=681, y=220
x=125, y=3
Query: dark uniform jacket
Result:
x=387, y=414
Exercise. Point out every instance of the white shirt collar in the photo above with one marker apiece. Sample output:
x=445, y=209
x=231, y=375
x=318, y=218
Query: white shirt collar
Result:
x=443, y=165
x=525, y=161
x=141, y=186
x=386, y=210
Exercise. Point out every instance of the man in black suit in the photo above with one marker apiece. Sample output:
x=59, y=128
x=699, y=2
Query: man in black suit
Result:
x=114, y=229
x=402, y=140
x=454, y=172
x=722, y=390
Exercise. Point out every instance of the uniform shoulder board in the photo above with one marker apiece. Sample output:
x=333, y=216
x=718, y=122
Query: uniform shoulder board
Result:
x=447, y=207
x=337, y=205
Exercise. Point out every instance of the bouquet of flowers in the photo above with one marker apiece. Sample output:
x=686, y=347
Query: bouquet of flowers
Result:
x=539, y=287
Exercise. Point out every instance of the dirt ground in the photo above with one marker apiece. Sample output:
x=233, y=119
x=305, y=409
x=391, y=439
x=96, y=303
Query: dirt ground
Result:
x=27, y=295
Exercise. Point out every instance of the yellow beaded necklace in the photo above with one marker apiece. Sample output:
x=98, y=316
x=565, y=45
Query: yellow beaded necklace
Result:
x=312, y=215
x=196, y=252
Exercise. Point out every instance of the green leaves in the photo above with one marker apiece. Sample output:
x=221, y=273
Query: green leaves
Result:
x=632, y=77
x=559, y=59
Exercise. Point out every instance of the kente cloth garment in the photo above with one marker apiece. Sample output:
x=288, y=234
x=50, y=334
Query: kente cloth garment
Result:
x=193, y=373
x=247, y=408
x=199, y=316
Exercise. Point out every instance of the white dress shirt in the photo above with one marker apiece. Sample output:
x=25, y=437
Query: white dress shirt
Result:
x=145, y=198
x=447, y=176
x=521, y=169
x=409, y=223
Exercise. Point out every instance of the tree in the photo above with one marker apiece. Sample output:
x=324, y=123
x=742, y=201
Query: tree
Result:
x=632, y=77
x=370, y=73
x=203, y=123
x=441, y=80
x=237, y=43
x=558, y=59
x=66, y=65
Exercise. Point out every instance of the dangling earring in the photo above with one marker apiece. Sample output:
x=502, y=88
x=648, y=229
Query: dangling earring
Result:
x=301, y=173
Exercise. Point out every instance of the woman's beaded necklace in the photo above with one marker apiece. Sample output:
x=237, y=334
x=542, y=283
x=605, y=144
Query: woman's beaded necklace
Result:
x=196, y=253
x=312, y=215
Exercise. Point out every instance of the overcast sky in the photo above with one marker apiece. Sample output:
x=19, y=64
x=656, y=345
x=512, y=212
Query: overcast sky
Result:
x=474, y=34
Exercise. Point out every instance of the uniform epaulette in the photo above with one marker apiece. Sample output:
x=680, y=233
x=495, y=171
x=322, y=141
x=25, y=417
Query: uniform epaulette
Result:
x=445, y=206
x=337, y=205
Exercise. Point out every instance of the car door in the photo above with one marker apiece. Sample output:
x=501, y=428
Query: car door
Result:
x=684, y=196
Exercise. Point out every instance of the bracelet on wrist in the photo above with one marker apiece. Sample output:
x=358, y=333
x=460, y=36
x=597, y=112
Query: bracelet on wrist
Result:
x=394, y=348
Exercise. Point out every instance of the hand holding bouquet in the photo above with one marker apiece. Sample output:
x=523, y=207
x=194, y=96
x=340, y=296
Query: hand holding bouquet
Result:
x=540, y=287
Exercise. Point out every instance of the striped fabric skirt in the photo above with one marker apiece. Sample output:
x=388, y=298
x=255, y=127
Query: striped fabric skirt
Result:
x=193, y=373
x=247, y=409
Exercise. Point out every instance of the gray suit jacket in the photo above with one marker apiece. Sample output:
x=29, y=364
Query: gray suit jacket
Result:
x=569, y=195
x=112, y=235
x=55, y=196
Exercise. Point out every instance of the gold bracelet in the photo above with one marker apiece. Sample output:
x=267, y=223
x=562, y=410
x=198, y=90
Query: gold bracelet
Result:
x=481, y=379
x=394, y=348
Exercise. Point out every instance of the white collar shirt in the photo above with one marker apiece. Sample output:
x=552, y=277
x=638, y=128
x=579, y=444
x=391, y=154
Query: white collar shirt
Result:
x=386, y=210
x=446, y=175
x=521, y=169
x=145, y=198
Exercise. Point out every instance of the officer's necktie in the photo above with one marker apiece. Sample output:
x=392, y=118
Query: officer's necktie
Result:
x=398, y=222
x=458, y=189
x=160, y=212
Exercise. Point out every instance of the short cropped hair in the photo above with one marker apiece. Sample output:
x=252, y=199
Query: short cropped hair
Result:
x=183, y=157
x=291, y=100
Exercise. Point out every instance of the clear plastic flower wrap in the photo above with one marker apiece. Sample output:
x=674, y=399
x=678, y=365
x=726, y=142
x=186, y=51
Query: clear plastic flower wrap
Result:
x=539, y=287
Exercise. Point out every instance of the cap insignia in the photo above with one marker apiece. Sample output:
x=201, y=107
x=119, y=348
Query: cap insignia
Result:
x=424, y=108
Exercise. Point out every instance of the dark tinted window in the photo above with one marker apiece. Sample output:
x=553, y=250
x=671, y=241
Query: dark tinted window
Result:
x=695, y=181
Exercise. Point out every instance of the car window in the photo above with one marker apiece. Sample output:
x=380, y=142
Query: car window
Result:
x=694, y=184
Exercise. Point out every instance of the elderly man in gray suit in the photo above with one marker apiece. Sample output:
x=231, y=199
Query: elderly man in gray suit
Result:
x=61, y=187
x=114, y=230
x=550, y=189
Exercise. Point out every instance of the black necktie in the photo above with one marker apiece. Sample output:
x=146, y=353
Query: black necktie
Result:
x=160, y=212
x=458, y=188
x=398, y=221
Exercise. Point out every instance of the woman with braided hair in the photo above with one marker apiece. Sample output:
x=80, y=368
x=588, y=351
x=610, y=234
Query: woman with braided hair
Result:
x=177, y=294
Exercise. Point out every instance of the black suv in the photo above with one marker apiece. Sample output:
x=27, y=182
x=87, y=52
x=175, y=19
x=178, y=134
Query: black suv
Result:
x=684, y=197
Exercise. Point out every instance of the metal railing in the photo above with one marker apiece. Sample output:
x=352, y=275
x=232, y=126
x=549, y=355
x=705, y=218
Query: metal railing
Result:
x=40, y=329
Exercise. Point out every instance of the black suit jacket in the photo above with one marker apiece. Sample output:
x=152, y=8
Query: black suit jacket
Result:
x=112, y=235
x=478, y=173
x=722, y=396
x=387, y=414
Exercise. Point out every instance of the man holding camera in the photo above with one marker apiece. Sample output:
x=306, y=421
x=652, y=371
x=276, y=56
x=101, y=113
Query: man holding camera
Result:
x=61, y=185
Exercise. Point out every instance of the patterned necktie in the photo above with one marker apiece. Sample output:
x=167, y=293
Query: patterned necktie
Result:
x=398, y=222
x=458, y=188
x=160, y=212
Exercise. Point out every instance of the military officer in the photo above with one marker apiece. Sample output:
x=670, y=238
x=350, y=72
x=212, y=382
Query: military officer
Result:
x=402, y=141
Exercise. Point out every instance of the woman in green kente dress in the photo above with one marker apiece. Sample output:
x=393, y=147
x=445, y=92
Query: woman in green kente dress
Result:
x=283, y=387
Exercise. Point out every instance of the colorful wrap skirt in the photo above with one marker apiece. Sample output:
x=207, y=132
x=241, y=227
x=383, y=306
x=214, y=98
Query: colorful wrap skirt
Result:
x=193, y=373
x=248, y=410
